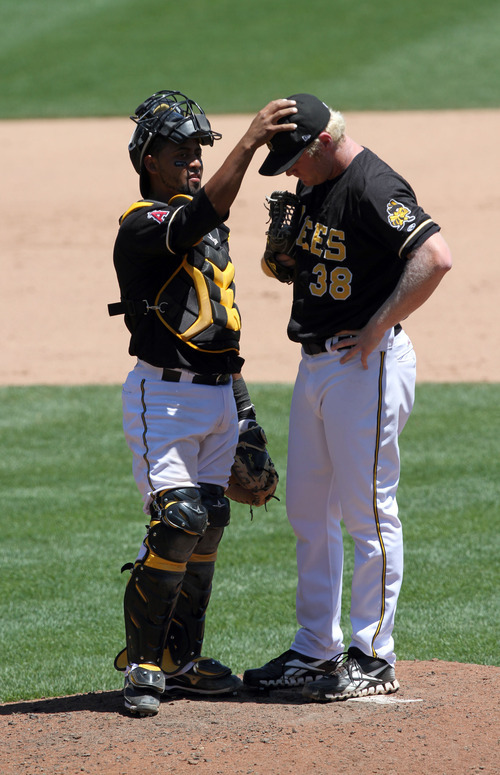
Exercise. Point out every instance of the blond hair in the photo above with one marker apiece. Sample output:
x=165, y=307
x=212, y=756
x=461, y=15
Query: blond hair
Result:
x=335, y=128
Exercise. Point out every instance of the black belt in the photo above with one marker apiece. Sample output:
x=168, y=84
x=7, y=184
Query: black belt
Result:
x=169, y=375
x=314, y=348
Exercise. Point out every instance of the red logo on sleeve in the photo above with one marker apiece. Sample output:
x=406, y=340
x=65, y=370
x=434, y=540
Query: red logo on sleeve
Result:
x=158, y=215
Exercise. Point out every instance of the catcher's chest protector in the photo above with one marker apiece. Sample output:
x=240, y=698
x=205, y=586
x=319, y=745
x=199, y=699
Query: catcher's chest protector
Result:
x=197, y=302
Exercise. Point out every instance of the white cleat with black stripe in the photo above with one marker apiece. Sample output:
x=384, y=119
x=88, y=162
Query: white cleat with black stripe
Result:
x=357, y=676
x=290, y=669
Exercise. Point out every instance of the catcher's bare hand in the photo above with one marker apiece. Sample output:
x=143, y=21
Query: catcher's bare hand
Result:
x=265, y=124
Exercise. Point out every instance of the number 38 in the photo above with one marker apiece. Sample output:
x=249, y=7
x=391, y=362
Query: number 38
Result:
x=336, y=282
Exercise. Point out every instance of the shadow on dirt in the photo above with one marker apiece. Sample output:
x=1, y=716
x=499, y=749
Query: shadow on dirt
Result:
x=112, y=702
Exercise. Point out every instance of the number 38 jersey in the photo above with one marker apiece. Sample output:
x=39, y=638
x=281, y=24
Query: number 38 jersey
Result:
x=356, y=233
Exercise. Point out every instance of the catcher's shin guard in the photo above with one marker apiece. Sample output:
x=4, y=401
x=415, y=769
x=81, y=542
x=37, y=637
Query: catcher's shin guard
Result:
x=178, y=520
x=185, y=636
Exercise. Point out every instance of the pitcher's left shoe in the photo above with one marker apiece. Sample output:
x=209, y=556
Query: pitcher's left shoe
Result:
x=357, y=676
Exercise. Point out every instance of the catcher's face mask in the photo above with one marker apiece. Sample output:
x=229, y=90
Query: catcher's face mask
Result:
x=172, y=116
x=285, y=147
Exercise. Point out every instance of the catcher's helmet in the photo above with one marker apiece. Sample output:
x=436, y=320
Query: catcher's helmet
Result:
x=172, y=116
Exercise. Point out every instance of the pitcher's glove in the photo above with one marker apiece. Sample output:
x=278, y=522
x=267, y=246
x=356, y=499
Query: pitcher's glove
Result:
x=253, y=477
x=284, y=214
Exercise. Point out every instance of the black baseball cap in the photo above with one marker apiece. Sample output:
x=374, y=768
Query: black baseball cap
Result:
x=285, y=147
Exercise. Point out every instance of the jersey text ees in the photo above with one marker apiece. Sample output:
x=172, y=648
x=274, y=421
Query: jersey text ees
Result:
x=356, y=233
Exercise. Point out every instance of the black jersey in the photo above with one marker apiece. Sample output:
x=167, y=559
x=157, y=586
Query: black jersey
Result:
x=176, y=285
x=356, y=233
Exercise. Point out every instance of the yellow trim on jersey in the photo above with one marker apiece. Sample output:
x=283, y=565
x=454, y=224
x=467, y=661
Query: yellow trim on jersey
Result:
x=133, y=207
x=175, y=197
x=411, y=236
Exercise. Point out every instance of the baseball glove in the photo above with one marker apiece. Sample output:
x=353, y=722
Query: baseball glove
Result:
x=284, y=214
x=253, y=477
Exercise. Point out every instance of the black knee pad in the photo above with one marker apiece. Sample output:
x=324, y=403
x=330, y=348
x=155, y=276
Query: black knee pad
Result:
x=217, y=505
x=181, y=508
x=178, y=521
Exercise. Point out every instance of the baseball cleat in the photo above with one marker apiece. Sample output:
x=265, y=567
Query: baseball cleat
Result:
x=143, y=687
x=288, y=670
x=357, y=676
x=204, y=676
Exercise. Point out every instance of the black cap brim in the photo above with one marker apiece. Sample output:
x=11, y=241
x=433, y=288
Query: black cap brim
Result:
x=311, y=117
x=275, y=164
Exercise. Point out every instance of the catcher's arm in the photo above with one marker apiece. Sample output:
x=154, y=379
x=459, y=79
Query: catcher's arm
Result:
x=253, y=477
x=284, y=215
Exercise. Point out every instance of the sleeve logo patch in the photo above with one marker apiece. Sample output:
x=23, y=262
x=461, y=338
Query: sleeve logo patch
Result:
x=398, y=215
x=158, y=215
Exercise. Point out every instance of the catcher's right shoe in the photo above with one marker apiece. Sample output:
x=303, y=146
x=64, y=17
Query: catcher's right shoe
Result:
x=203, y=676
x=357, y=676
x=289, y=669
x=144, y=684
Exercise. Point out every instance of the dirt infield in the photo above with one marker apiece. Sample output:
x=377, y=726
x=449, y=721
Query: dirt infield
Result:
x=57, y=279
x=57, y=273
x=443, y=721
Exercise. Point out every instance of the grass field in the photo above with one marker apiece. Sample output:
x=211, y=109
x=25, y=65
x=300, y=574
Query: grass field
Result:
x=103, y=57
x=70, y=514
x=71, y=517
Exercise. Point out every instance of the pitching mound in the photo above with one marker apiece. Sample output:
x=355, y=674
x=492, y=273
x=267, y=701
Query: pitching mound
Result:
x=443, y=721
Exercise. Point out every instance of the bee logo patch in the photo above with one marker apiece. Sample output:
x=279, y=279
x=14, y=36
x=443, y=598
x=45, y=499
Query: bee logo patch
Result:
x=398, y=215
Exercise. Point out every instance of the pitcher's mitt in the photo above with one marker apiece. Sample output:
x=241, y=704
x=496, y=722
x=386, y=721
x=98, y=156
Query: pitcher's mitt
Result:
x=284, y=213
x=253, y=477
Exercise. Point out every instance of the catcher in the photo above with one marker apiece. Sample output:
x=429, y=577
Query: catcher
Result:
x=185, y=403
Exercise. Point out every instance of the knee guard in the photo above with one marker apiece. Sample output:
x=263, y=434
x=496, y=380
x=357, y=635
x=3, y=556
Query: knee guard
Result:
x=217, y=505
x=185, y=637
x=176, y=516
x=178, y=520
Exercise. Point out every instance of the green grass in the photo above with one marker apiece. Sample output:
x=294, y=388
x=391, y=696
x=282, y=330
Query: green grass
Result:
x=71, y=517
x=449, y=504
x=103, y=57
